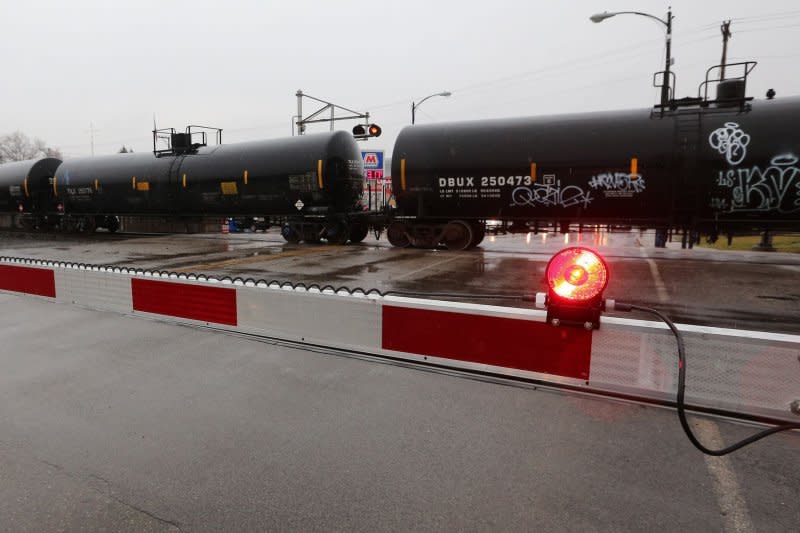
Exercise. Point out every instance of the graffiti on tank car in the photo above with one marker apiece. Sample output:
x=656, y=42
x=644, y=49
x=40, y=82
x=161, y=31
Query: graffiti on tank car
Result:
x=757, y=189
x=730, y=141
x=618, y=184
x=551, y=194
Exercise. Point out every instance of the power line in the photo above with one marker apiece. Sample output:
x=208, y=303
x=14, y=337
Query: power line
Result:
x=628, y=53
x=758, y=18
x=571, y=64
x=614, y=54
x=768, y=16
x=769, y=28
x=785, y=56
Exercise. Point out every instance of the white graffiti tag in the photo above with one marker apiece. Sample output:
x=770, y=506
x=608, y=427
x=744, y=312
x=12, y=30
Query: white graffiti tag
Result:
x=621, y=182
x=551, y=195
x=730, y=141
x=756, y=189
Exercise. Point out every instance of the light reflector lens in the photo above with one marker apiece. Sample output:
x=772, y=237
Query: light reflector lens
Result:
x=577, y=274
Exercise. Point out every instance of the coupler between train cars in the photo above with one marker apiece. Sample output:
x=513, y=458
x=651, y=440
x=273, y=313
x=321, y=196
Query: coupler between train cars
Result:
x=453, y=234
x=337, y=229
x=89, y=223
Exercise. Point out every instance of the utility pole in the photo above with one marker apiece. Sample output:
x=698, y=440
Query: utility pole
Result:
x=665, y=87
x=301, y=128
x=668, y=62
x=726, y=34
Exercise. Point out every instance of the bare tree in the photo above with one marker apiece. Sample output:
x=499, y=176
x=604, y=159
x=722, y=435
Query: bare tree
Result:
x=18, y=147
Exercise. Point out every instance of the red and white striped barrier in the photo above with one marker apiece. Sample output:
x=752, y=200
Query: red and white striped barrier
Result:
x=730, y=371
x=36, y=281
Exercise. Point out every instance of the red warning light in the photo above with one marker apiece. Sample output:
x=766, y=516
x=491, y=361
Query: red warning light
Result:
x=576, y=278
x=365, y=131
x=577, y=274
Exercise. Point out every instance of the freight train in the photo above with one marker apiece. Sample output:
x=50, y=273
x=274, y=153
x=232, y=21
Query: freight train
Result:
x=700, y=164
x=711, y=165
x=313, y=183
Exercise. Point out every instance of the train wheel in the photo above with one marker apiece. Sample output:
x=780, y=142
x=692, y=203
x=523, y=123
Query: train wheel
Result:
x=311, y=236
x=29, y=223
x=86, y=225
x=359, y=232
x=112, y=223
x=457, y=235
x=478, y=233
x=397, y=233
x=290, y=234
x=337, y=232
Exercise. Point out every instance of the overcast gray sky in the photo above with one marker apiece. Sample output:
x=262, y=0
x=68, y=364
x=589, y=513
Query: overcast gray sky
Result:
x=238, y=64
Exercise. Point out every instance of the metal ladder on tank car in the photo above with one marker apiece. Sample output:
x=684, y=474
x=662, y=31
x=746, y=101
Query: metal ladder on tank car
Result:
x=687, y=195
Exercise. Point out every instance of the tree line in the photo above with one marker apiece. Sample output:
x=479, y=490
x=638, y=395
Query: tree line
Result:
x=18, y=147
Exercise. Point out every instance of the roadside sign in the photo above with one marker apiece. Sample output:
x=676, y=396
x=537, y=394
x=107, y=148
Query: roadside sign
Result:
x=373, y=164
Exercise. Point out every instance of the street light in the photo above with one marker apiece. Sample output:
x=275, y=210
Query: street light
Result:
x=600, y=17
x=414, y=106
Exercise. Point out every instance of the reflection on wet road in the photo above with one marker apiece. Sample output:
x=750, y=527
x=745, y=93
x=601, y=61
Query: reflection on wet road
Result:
x=744, y=290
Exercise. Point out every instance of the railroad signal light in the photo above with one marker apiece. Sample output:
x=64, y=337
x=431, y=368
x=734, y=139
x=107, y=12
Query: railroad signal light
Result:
x=576, y=278
x=365, y=131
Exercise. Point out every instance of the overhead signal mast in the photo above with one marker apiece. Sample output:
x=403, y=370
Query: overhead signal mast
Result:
x=361, y=131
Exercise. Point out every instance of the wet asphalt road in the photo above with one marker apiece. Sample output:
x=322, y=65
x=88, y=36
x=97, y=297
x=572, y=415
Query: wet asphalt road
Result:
x=115, y=423
x=742, y=290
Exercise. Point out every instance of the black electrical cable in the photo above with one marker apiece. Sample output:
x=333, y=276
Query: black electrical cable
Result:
x=682, y=391
x=619, y=306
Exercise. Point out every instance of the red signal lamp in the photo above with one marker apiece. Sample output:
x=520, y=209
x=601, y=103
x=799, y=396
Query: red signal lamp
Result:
x=576, y=278
x=365, y=131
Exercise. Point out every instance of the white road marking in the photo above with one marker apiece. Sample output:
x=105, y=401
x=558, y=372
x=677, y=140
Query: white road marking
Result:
x=442, y=262
x=661, y=289
x=735, y=516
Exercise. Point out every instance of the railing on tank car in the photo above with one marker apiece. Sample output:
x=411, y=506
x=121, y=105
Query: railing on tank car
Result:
x=183, y=142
